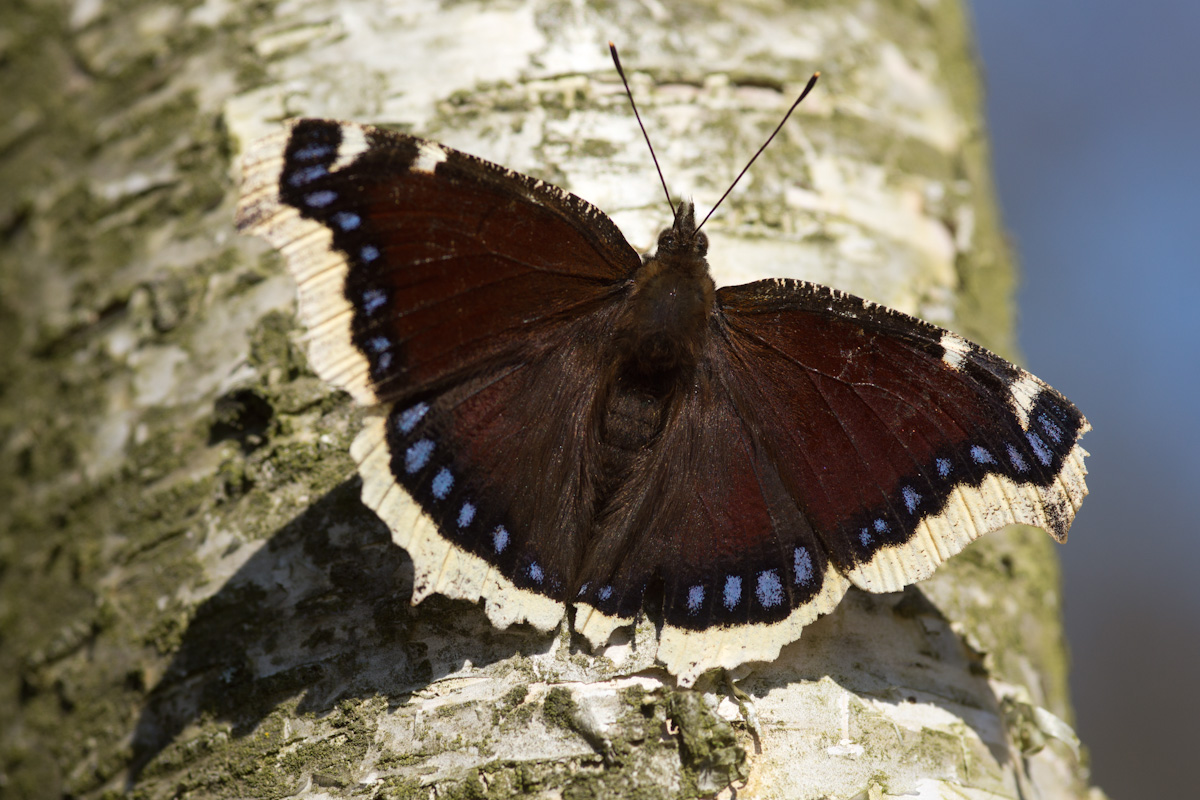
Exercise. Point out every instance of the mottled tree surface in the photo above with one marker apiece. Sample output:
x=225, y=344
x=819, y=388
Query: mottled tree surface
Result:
x=192, y=598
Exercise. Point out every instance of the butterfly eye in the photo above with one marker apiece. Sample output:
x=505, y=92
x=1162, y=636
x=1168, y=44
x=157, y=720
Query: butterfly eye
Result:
x=665, y=240
x=701, y=244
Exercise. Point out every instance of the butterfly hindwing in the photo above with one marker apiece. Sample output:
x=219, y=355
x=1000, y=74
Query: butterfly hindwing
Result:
x=704, y=523
x=505, y=466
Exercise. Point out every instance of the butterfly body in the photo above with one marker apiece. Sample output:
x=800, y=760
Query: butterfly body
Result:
x=558, y=421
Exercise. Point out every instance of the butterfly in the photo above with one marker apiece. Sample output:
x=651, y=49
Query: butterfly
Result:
x=558, y=421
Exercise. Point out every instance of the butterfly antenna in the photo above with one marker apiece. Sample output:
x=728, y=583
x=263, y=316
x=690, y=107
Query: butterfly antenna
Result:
x=808, y=88
x=612, y=48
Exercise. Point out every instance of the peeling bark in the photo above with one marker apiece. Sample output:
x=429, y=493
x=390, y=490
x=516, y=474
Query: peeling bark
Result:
x=192, y=598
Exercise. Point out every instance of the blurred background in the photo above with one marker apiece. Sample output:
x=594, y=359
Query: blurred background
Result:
x=1094, y=110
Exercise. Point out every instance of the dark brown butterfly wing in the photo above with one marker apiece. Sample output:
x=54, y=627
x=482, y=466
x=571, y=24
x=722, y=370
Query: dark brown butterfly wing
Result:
x=417, y=263
x=451, y=293
x=705, y=522
x=901, y=441
x=827, y=440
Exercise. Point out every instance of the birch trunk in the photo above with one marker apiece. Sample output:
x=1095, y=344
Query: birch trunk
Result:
x=193, y=600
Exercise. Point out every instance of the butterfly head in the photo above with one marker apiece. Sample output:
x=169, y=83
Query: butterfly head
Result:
x=683, y=239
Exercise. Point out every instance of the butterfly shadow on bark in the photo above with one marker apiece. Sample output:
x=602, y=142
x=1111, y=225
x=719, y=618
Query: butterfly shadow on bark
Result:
x=321, y=612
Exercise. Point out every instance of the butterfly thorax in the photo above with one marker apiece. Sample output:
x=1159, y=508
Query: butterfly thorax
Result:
x=666, y=321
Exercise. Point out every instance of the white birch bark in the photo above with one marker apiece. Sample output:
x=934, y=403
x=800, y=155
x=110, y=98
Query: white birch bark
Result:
x=199, y=604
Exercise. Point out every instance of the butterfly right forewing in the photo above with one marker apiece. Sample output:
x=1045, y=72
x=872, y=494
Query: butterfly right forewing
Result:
x=901, y=441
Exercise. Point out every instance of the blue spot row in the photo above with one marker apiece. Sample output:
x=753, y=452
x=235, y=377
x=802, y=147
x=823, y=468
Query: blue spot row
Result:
x=768, y=586
x=1043, y=434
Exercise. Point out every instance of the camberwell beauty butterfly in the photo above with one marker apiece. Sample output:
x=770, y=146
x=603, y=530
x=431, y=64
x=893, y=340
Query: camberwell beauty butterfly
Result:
x=560, y=421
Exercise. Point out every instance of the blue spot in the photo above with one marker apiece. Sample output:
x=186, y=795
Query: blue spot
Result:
x=379, y=344
x=312, y=151
x=911, y=498
x=466, y=514
x=320, y=199
x=881, y=526
x=368, y=253
x=695, y=599
x=982, y=456
x=864, y=538
x=306, y=175
x=500, y=538
x=733, y=591
x=411, y=416
x=770, y=590
x=1052, y=430
x=535, y=573
x=383, y=362
x=802, y=564
x=346, y=220
x=943, y=467
x=1017, y=461
x=605, y=592
x=442, y=483
x=1039, y=448
x=373, y=300
x=583, y=590
x=417, y=456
